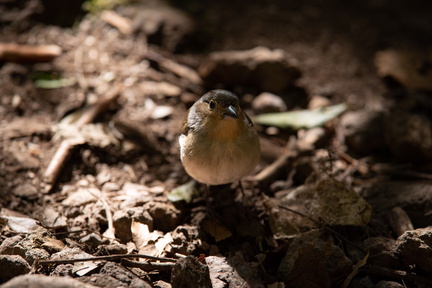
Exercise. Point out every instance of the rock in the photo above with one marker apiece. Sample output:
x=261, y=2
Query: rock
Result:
x=12, y=266
x=399, y=221
x=122, y=223
x=232, y=272
x=318, y=101
x=415, y=247
x=414, y=197
x=63, y=270
x=186, y=239
x=313, y=138
x=101, y=280
x=26, y=190
x=389, y=284
x=190, y=273
x=38, y=281
x=113, y=249
x=363, y=131
x=52, y=245
x=8, y=246
x=124, y=275
x=36, y=253
x=267, y=103
x=309, y=259
x=161, y=284
x=260, y=67
x=93, y=240
x=409, y=136
x=382, y=252
x=164, y=214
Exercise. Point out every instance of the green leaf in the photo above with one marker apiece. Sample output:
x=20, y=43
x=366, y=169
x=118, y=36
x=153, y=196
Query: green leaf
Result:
x=54, y=83
x=184, y=192
x=302, y=118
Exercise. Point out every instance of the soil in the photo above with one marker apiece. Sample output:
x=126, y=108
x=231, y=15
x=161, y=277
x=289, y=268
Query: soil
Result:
x=111, y=193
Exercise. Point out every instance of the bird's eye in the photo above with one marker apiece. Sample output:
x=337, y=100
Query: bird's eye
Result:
x=212, y=104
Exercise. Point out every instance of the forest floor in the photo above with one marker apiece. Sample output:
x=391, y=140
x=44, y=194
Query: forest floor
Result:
x=90, y=166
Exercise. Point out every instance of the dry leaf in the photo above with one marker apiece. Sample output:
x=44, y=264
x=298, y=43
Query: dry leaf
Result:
x=329, y=201
x=216, y=230
x=149, y=243
x=81, y=197
x=302, y=118
x=18, y=222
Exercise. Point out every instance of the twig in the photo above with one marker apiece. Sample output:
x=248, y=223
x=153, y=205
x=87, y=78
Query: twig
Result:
x=148, y=266
x=28, y=53
x=278, y=166
x=123, y=24
x=63, y=152
x=109, y=257
x=174, y=67
x=110, y=232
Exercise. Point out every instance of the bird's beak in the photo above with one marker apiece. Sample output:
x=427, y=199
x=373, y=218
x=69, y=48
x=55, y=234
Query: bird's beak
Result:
x=231, y=112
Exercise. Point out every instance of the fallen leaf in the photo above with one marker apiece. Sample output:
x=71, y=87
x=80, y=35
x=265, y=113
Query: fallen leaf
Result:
x=149, y=243
x=18, y=222
x=54, y=83
x=302, y=118
x=81, y=197
x=184, y=192
x=216, y=230
x=329, y=201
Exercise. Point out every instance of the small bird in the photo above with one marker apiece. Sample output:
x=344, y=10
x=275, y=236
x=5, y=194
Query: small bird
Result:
x=218, y=143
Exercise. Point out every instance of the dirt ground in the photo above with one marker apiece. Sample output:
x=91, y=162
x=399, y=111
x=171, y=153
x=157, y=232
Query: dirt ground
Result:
x=90, y=166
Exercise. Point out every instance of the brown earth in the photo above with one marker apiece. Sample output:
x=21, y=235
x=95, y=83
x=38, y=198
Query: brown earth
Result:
x=304, y=223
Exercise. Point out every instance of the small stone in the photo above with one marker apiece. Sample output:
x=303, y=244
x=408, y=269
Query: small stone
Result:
x=186, y=239
x=267, y=103
x=409, y=136
x=122, y=225
x=12, y=266
x=312, y=138
x=53, y=245
x=363, y=131
x=190, y=273
x=318, y=101
x=63, y=270
x=110, y=187
x=26, y=190
x=161, y=284
x=164, y=214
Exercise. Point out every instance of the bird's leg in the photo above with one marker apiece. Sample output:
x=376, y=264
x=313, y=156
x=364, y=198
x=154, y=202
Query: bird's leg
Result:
x=241, y=188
